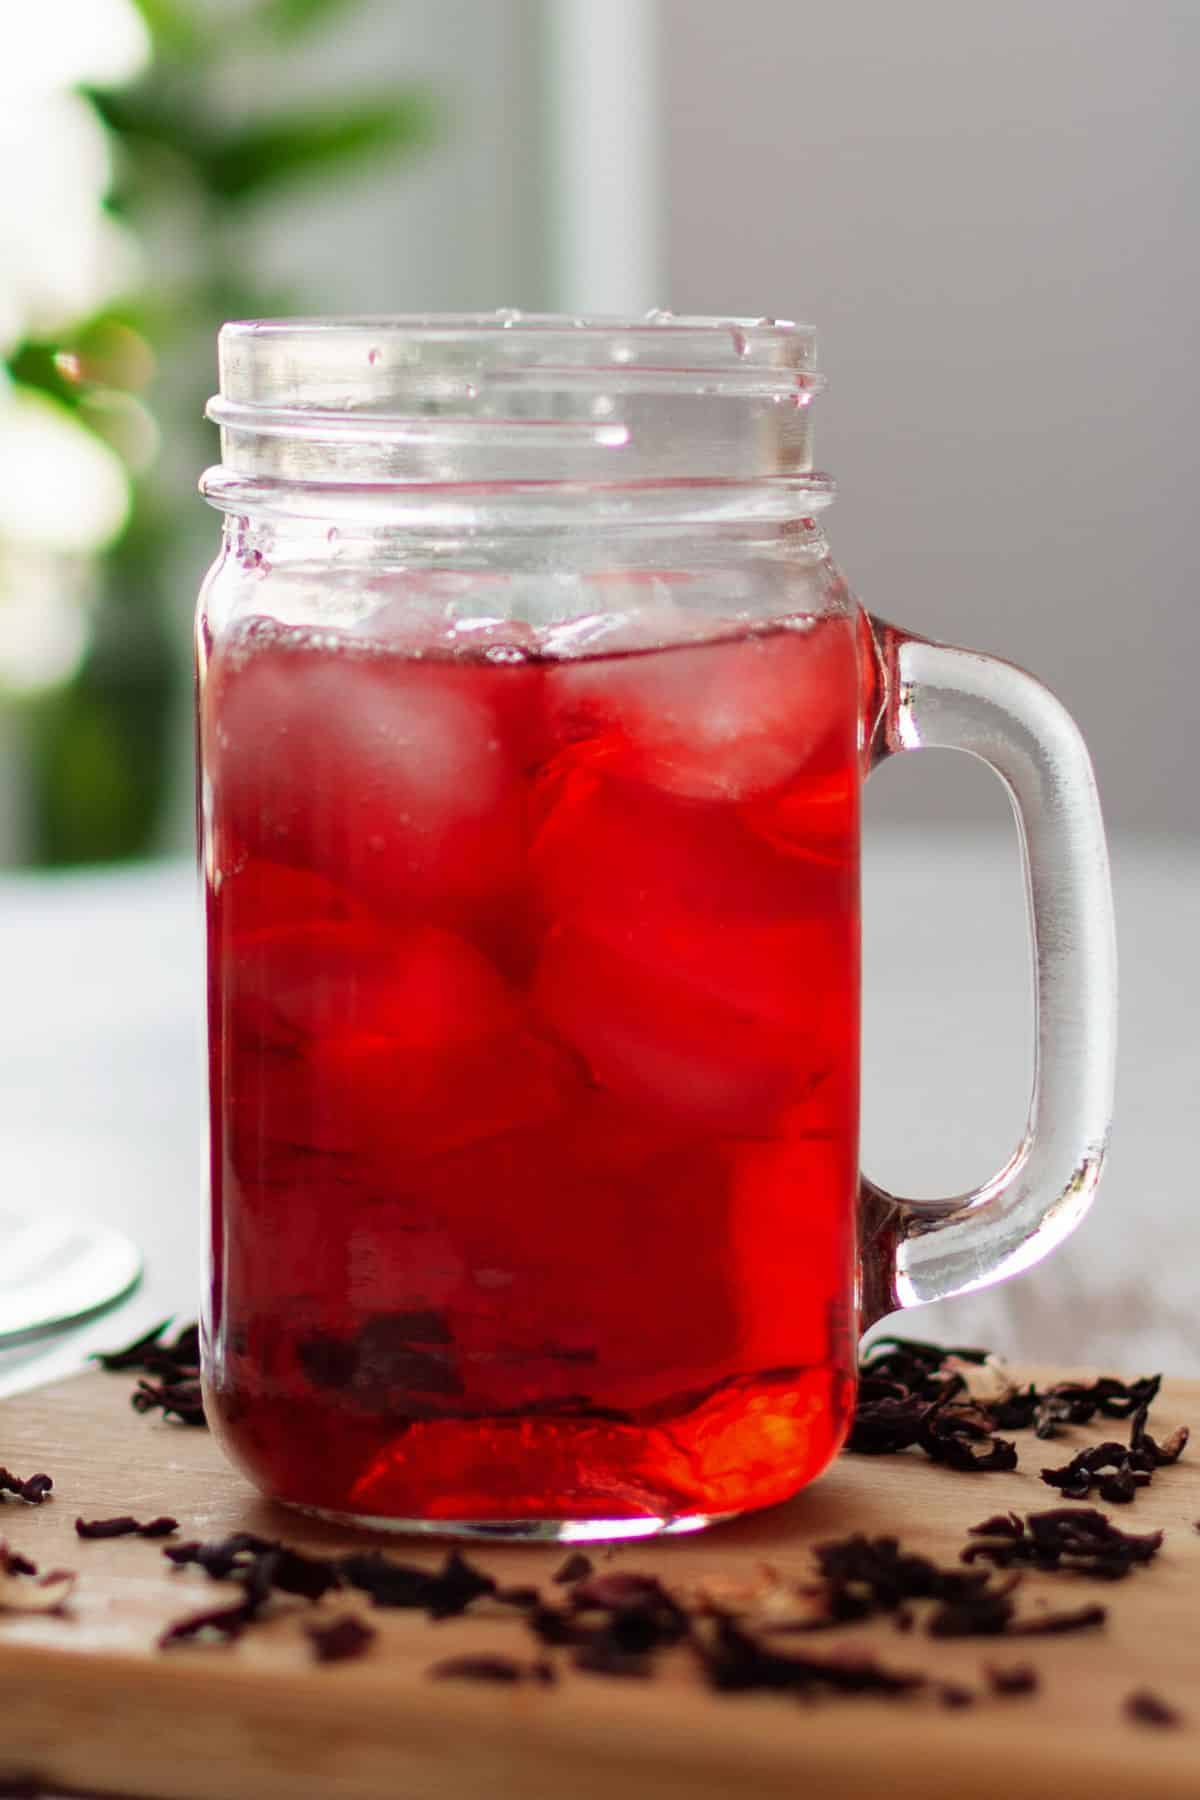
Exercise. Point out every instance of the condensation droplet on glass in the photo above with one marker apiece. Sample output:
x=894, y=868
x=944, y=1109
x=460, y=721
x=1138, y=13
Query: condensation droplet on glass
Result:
x=377, y=842
x=603, y=406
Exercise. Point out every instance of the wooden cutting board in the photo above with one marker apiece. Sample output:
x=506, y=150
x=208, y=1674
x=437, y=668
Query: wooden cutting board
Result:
x=88, y=1702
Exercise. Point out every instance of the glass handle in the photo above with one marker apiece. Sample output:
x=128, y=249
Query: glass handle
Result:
x=934, y=696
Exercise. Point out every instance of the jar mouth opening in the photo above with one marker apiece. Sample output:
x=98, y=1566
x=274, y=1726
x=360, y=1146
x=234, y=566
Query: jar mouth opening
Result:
x=680, y=341
x=463, y=397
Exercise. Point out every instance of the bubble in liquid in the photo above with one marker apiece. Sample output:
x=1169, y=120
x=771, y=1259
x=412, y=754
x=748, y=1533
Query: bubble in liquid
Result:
x=331, y=536
x=373, y=356
x=508, y=316
x=739, y=340
x=658, y=315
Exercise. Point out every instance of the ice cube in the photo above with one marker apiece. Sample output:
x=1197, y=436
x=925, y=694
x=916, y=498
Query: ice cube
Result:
x=615, y=851
x=404, y=1104
x=729, y=720
x=420, y=987
x=690, y=962
x=263, y=896
x=655, y=1037
x=385, y=1046
x=392, y=776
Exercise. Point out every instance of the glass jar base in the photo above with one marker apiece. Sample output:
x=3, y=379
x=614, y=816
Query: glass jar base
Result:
x=520, y=1531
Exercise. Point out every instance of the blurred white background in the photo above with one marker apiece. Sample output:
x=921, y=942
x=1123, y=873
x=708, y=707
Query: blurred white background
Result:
x=989, y=214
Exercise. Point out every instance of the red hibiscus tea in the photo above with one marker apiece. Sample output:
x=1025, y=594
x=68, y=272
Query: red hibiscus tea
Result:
x=533, y=991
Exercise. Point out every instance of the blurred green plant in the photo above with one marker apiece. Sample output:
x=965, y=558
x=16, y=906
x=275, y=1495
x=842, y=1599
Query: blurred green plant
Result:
x=190, y=173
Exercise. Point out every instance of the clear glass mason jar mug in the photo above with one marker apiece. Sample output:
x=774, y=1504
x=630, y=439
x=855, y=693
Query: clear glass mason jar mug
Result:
x=533, y=715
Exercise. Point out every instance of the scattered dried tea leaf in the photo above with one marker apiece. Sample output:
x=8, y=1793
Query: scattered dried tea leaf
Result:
x=953, y=1695
x=577, y=1567
x=506, y=1669
x=342, y=1640
x=1067, y=1537
x=525, y=1598
x=1048, y=1624
x=1148, y=1709
x=988, y=1382
x=34, y=1489
x=600, y=1656
x=1013, y=1678
x=915, y=1395
x=863, y=1576
x=262, y=1563
x=947, y=1401
x=442, y=1594
x=152, y=1355
x=987, y=1612
x=632, y=1612
x=23, y=1590
x=180, y=1399
x=456, y=1584
x=226, y=1623
x=173, y=1368
x=125, y=1526
x=221, y=1558
x=734, y=1661
x=554, y=1627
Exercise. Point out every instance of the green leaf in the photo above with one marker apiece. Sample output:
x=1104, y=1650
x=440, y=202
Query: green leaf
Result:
x=34, y=366
x=315, y=141
x=176, y=30
x=151, y=114
x=291, y=19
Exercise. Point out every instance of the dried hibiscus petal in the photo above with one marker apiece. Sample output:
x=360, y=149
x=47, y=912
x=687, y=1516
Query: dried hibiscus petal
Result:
x=180, y=1400
x=1015, y=1678
x=1075, y=1538
x=125, y=1526
x=734, y=1661
x=341, y=1640
x=22, y=1589
x=1148, y=1709
x=577, y=1567
x=1081, y=1618
x=500, y=1669
x=34, y=1489
x=225, y=1622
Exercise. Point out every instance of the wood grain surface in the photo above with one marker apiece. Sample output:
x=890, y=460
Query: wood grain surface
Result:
x=88, y=1702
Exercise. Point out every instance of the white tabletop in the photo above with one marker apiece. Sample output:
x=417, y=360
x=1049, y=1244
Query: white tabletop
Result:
x=102, y=1108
